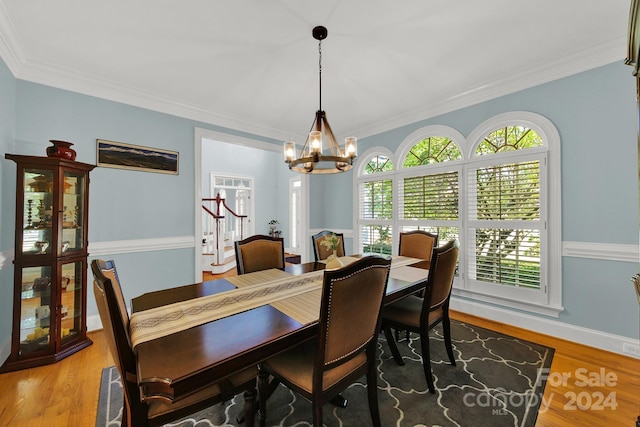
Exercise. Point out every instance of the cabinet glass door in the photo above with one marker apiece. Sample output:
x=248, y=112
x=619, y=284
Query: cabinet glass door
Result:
x=73, y=215
x=35, y=309
x=71, y=301
x=37, y=224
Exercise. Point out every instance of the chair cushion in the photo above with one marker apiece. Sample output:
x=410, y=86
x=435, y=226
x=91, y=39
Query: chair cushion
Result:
x=407, y=312
x=296, y=366
x=160, y=407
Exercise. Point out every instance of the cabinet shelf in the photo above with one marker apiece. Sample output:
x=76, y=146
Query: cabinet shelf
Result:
x=50, y=279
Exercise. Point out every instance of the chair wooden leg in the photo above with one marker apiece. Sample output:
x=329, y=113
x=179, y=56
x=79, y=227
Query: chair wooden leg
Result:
x=372, y=393
x=317, y=413
x=125, y=415
x=446, y=329
x=250, y=406
x=426, y=361
x=393, y=346
x=263, y=394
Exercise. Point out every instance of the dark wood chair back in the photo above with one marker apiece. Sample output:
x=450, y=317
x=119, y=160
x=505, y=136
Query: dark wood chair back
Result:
x=115, y=321
x=417, y=244
x=350, y=310
x=259, y=252
x=320, y=251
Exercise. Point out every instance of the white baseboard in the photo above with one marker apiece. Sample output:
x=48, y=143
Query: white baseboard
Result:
x=589, y=337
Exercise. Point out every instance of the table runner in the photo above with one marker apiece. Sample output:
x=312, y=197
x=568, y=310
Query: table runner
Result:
x=157, y=322
x=298, y=297
x=409, y=274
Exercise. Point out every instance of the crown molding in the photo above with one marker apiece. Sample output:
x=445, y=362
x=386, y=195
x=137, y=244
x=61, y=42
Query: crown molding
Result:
x=11, y=52
x=11, y=49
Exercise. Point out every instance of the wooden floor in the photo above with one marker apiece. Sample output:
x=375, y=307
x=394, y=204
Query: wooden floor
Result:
x=599, y=388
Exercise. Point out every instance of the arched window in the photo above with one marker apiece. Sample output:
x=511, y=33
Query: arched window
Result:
x=433, y=149
x=429, y=186
x=378, y=163
x=508, y=242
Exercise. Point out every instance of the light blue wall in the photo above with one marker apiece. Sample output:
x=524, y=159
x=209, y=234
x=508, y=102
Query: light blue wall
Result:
x=7, y=186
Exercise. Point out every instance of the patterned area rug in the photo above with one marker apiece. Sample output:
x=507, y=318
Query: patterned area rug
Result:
x=498, y=381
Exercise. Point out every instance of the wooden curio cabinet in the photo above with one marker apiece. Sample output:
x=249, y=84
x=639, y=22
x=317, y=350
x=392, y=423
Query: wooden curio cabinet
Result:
x=50, y=262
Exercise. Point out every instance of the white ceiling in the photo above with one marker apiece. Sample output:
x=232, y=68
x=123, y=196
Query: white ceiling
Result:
x=253, y=64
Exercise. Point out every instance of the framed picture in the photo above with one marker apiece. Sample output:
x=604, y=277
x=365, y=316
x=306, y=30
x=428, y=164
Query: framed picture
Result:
x=119, y=155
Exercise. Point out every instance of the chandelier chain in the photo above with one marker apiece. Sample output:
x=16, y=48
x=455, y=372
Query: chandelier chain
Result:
x=320, y=72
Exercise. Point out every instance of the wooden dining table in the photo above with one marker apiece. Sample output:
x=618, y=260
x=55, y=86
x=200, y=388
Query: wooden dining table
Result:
x=177, y=364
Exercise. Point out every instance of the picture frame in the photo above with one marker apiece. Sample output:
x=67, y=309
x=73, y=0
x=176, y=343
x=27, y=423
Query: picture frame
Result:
x=112, y=154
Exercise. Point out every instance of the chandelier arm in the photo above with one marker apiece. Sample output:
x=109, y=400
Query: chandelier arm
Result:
x=333, y=143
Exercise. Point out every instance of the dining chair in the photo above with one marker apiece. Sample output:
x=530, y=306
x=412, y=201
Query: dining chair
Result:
x=155, y=412
x=320, y=251
x=259, y=252
x=417, y=244
x=344, y=348
x=421, y=314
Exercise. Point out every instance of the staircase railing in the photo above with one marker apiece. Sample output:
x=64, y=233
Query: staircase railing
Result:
x=216, y=227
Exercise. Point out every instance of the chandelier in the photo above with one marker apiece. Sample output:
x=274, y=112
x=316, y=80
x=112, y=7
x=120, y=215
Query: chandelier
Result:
x=311, y=158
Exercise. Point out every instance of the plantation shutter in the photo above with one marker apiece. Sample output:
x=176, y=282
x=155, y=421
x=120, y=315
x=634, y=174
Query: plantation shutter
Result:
x=375, y=215
x=506, y=222
x=429, y=197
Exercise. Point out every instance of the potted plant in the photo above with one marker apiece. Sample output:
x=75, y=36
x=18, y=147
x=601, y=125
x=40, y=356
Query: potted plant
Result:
x=272, y=225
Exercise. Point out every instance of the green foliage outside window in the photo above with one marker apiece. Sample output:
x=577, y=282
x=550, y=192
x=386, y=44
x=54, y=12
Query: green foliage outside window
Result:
x=508, y=192
x=509, y=138
x=378, y=164
x=435, y=149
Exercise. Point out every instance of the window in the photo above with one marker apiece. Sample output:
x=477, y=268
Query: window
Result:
x=375, y=205
x=428, y=197
x=506, y=219
x=497, y=191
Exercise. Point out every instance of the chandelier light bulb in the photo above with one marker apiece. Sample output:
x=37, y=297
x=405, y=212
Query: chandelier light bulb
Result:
x=351, y=146
x=289, y=151
x=315, y=141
